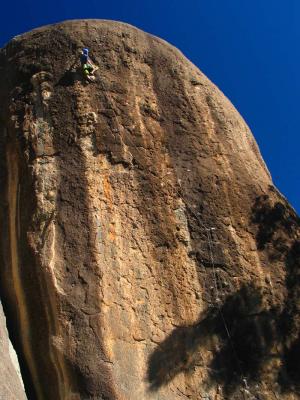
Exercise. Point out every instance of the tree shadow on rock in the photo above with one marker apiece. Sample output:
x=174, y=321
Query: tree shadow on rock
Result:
x=289, y=375
x=271, y=219
x=245, y=335
x=248, y=333
x=179, y=352
x=279, y=235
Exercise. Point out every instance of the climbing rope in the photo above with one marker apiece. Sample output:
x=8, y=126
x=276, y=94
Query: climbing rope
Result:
x=218, y=302
x=210, y=249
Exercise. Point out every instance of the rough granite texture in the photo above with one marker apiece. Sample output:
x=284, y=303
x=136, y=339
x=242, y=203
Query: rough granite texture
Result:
x=113, y=282
x=11, y=387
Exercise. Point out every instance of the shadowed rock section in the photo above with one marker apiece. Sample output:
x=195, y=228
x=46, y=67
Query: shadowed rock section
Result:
x=145, y=253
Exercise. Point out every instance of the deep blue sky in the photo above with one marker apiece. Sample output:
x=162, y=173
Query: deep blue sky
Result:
x=250, y=49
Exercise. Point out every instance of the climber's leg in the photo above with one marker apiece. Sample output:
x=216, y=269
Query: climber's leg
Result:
x=88, y=72
x=90, y=68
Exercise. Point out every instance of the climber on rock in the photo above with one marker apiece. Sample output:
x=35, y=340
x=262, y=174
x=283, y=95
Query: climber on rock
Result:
x=87, y=65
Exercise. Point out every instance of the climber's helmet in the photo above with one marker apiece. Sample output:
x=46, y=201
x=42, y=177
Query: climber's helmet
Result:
x=85, y=51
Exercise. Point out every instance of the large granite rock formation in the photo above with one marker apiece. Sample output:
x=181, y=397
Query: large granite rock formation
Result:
x=145, y=253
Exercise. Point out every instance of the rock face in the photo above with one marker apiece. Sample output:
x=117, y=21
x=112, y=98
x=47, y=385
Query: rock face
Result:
x=11, y=386
x=145, y=253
